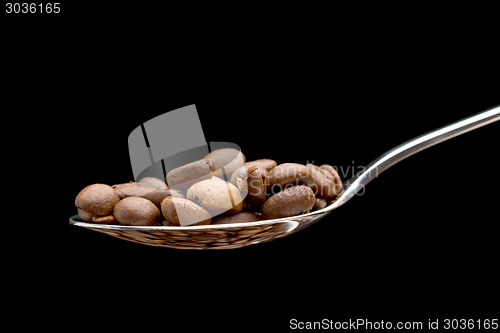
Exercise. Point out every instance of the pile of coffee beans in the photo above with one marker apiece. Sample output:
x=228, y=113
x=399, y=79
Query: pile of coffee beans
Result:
x=221, y=188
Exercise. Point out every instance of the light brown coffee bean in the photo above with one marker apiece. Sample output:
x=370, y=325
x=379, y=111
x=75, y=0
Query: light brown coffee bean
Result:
x=150, y=188
x=157, y=183
x=184, y=212
x=136, y=211
x=263, y=164
x=216, y=195
x=96, y=200
x=184, y=176
x=319, y=204
x=86, y=216
x=238, y=178
x=110, y=219
x=226, y=160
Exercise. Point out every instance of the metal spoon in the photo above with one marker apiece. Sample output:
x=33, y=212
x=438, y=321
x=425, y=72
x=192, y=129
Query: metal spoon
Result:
x=229, y=236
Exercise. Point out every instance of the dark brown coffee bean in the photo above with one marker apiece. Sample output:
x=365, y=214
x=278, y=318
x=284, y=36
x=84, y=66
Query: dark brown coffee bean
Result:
x=294, y=200
x=288, y=174
x=236, y=218
x=333, y=176
x=324, y=180
x=256, y=192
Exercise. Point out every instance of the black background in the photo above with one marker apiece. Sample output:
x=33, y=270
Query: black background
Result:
x=421, y=243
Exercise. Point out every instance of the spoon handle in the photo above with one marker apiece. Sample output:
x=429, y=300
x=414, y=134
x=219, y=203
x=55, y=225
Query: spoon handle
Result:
x=408, y=148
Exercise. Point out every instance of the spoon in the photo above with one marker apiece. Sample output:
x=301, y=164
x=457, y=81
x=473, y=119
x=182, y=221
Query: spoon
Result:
x=230, y=236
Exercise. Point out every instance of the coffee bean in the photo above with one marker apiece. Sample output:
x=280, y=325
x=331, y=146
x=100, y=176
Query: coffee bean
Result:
x=184, y=212
x=256, y=192
x=225, y=161
x=263, y=164
x=216, y=195
x=319, y=204
x=294, y=200
x=324, y=180
x=96, y=200
x=236, y=218
x=154, y=182
x=110, y=219
x=136, y=211
x=150, y=188
x=184, y=176
x=197, y=193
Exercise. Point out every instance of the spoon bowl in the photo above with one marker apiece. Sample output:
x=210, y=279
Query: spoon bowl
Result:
x=216, y=236
x=236, y=235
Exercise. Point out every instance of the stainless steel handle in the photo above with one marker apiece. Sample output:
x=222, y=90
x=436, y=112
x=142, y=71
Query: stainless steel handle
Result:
x=408, y=148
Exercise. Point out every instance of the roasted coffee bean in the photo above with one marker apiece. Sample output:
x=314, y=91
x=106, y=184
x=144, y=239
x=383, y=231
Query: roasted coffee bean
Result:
x=176, y=193
x=319, y=204
x=263, y=164
x=157, y=183
x=184, y=212
x=86, y=216
x=291, y=201
x=136, y=211
x=150, y=188
x=321, y=180
x=333, y=179
x=325, y=181
x=256, y=192
x=288, y=173
x=130, y=189
x=216, y=195
x=238, y=178
x=225, y=161
x=96, y=200
x=236, y=218
x=184, y=176
x=110, y=219
x=198, y=193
